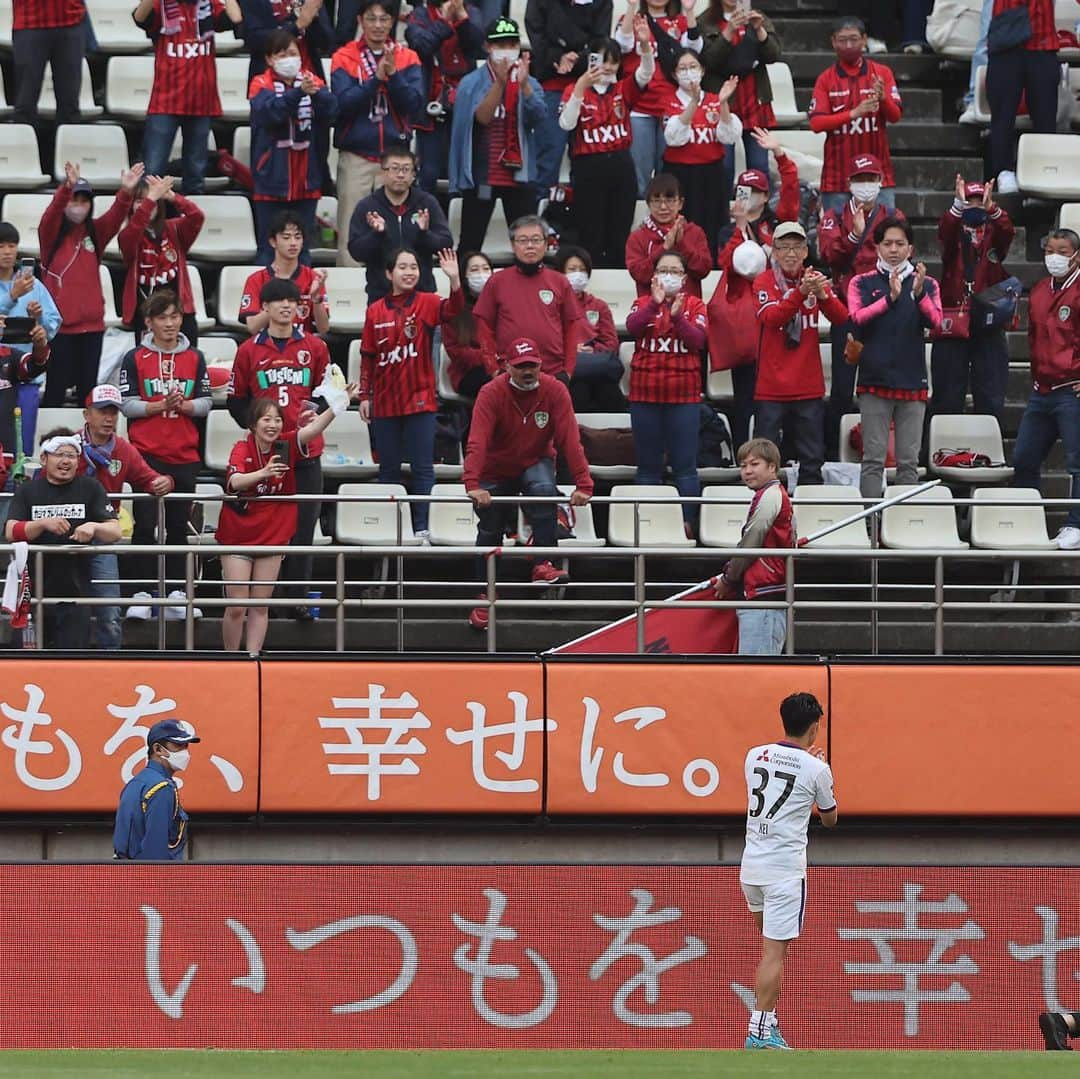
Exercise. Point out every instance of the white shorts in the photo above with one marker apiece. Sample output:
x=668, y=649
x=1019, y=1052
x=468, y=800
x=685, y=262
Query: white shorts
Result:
x=783, y=904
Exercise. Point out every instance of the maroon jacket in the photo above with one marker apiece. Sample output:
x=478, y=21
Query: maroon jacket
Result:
x=1054, y=333
x=989, y=246
x=513, y=430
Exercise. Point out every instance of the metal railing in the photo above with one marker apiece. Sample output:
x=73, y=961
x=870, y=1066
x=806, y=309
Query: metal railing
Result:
x=339, y=596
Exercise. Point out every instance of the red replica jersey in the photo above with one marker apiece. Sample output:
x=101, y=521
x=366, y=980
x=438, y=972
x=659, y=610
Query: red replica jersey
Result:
x=305, y=309
x=836, y=93
x=46, y=14
x=654, y=96
x=149, y=374
x=397, y=371
x=788, y=372
x=185, y=60
x=704, y=146
x=603, y=125
x=286, y=371
x=666, y=368
x=1043, y=27
x=256, y=521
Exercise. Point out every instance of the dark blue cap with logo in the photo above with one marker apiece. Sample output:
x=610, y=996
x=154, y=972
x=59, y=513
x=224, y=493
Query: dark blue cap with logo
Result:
x=170, y=730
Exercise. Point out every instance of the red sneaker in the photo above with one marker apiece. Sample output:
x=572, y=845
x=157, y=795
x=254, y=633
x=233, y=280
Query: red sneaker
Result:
x=546, y=573
x=478, y=616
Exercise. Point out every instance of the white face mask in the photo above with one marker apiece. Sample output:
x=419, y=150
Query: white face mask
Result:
x=865, y=192
x=688, y=79
x=579, y=280
x=478, y=279
x=1057, y=265
x=670, y=282
x=76, y=214
x=288, y=67
x=511, y=56
x=179, y=759
x=604, y=83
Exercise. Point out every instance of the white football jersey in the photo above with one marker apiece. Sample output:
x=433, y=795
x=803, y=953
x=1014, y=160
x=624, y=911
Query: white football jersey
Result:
x=783, y=782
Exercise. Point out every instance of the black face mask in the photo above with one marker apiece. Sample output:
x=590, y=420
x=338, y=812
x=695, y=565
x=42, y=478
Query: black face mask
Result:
x=530, y=269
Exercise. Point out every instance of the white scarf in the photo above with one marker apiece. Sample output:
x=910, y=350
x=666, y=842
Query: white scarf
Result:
x=906, y=268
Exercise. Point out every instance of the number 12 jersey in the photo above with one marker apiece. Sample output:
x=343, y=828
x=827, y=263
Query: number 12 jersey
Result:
x=783, y=782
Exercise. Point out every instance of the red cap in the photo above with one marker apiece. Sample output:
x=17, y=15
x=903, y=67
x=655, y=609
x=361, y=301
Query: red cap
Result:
x=974, y=191
x=865, y=163
x=523, y=350
x=754, y=179
x=219, y=376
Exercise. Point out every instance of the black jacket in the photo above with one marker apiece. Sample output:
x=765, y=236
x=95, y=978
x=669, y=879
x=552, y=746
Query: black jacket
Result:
x=558, y=26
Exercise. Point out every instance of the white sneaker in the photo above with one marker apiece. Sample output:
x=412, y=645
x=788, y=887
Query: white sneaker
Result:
x=424, y=536
x=177, y=611
x=968, y=116
x=1068, y=539
x=1006, y=183
x=876, y=45
x=143, y=611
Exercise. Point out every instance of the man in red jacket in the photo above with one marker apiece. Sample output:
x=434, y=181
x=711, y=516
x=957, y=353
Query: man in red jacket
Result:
x=519, y=421
x=790, y=388
x=1053, y=409
x=112, y=461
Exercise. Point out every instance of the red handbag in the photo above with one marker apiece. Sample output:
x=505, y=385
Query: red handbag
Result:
x=733, y=328
x=955, y=323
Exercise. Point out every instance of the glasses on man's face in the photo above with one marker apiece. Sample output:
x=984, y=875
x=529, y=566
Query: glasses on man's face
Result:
x=378, y=20
x=788, y=249
x=398, y=170
x=665, y=200
x=853, y=39
x=529, y=241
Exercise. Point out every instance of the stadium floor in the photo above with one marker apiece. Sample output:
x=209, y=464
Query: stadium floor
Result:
x=536, y=1064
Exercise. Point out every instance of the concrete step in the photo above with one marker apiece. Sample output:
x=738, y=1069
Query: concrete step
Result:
x=919, y=71
x=798, y=7
x=804, y=32
x=936, y=173
x=1027, y=272
x=926, y=241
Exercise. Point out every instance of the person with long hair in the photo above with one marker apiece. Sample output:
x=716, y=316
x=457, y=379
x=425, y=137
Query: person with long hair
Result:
x=672, y=26
x=261, y=465
x=73, y=245
x=460, y=336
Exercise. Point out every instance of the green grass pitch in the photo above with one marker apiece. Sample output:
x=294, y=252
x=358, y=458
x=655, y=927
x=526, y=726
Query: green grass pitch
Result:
x=538, y=1064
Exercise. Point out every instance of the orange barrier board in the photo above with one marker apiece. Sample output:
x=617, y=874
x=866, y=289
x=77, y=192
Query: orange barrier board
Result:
x=73, y=731
x=663, y=738
x=402, y=737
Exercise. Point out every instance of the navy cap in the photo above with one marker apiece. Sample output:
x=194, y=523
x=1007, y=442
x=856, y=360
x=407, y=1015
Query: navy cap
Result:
x=82, y=187
x=171, y=730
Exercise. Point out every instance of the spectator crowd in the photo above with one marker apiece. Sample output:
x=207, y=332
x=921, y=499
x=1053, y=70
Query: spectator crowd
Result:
x=730, y=271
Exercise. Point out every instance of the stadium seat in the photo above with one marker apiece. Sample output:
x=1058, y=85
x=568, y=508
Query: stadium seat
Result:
x=100, y=150
x=5, y=26
x=723, y=515
x=660, y=524
x=241, y=146
x=222, y=433
x=69, y=416
x=497, y=240
x=114, y=28
x=128, y=80
x=228, y=234
x=1048, y=165
x=980, y=434
x=617, y=289
x=452, y=524
x=225, y=42
x=20, y=165
x=607, y=421
x=582, y=524
x=788, y=113
x=641, y=211
x=444, y=388
x=926, y=521
x=374, y=524
x=626, y=358
x=112, y=316
x=347, y=454
x=346, y=287
x=718, y=386
x=1069, y=217
x=211, y=511
x=198, y=296
x=232, y=80
x=352, y=363
x=23, y=211
x=807, y=150
x=1020, y=525
x=842, y=502
x=848, y=453
x=88, y=107
x=230, y=292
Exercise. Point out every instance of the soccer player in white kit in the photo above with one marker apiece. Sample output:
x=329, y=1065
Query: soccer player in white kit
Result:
x=784, y=780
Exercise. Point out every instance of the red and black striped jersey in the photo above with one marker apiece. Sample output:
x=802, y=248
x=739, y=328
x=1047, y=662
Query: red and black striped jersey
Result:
x=46, y=14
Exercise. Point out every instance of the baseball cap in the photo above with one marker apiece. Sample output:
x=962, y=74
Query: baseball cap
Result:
x=523, y=350
x=974, y=190
x=104, y=396
x=83, y=187
x=754, y=179
x=171, y=730
x=503, y=29
x=788, y=228
x=861, y=163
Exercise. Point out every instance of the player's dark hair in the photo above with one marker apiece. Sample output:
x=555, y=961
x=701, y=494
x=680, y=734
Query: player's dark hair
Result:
x=160, y=302
x=285, y=220
x=278, y=41
x=391, y=259
x=259, y=408
x=800, y=712
x=849, y=22
x=279, y=288
x=366, y=5
x=887, y=223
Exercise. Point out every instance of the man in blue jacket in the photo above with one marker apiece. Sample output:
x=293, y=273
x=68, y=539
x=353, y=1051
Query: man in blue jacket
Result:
x=397, y=215
x=497, y=114
x=379, y=87
x=151, y=825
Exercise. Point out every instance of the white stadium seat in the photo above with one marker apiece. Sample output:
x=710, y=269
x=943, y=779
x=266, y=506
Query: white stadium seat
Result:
x=496, y=242
x=346, y=289
x=981, y=434
x=581, y=518
x=88, y=108
x=374, y=524
x=606, y=421
x=115, y=29
x=618, y=290
x=112, y=316
x=452, y=524
x=926, y=521
x=211, y=510
x=347, y=454
x=840, y=502
x=659, y=524
x=232, y=80
x=100, y=151
x=788, y=113
x=222, y=433
x=723, y=515
x=198, y=296
x=1049, y=166
x=20, y=164
x=241, y=147
x=352, y=363
x=128, y=80
x=23, y=211
x=806, y=149
x=230, y=293
x=1022, y=524
x=1070, y=216
x=228, y=233
x=5, y=26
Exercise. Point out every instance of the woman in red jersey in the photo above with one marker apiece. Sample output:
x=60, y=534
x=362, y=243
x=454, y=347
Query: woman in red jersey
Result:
x=260, y=465
x=397, y=373
x=669, y=331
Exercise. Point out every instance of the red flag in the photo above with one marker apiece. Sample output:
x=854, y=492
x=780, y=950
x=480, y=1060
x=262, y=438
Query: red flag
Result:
x=667, y=630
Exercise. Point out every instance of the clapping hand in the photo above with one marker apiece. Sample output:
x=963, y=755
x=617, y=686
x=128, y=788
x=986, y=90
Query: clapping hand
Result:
x=731, y=84
x=423, y=219
x=71, y=173
x=448, y=263
x=157, y=187
x=656, y=291
x=959, y=188
x=895, y=283
x=642, y=33
x=375, y=221
x=767, y=141
x=308, y=85
x=677, y=305
x=129, y=178
x=988, y=196
x=920, y=279
x=566, y=63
